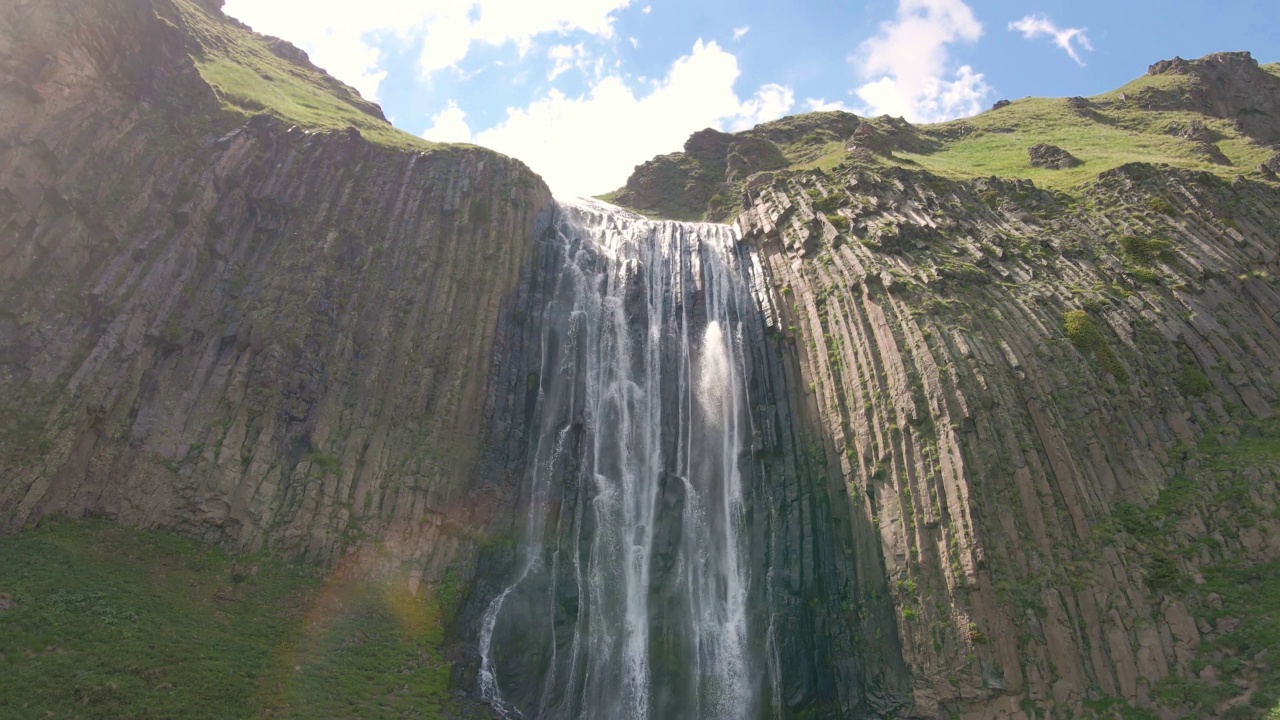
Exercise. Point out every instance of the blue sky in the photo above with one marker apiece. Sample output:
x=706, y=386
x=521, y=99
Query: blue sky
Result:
x=583, y=90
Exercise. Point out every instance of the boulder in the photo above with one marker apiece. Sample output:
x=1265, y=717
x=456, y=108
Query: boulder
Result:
x=1079, y=105
x=6, y=602
x=1052, y=157
x=1195, y=132
x=1202, y=138
x=1001, y=104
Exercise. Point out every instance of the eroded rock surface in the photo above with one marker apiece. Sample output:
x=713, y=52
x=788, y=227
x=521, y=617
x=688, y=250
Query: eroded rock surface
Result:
x=985, y=451
x=1226, y=85
x=257, y=335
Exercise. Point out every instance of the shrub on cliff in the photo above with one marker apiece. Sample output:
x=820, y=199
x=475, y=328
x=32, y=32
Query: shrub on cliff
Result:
x=1089, y=339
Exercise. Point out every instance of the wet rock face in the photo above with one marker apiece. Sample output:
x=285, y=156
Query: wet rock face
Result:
x=256, y=335
x=1052, y=157
x=811, y=600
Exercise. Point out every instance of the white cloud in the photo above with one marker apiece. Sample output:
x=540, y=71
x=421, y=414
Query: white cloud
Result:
x=770, y=102
x=343, y=36
x=449, y=125
x=907, y=66
x=739, y=33
x=1071, y=40
x=824, y=105
x=590, y=144
x=567, y=57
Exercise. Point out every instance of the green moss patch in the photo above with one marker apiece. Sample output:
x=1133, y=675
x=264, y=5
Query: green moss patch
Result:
x=1089, y=339
x=1145, y=251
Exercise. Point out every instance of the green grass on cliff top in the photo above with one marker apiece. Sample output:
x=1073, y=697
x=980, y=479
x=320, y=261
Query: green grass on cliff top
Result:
x=115, y=623
x=1115, y=133
x=251, y=79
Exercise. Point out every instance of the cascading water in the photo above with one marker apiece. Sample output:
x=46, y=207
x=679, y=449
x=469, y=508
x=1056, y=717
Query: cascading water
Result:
x=630, y=595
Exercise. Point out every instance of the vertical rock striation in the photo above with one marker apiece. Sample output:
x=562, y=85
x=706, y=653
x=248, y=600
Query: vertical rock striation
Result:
x=998, y=375
x=255, y=334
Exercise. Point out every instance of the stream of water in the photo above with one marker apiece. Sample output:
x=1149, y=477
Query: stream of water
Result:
x=629, y=600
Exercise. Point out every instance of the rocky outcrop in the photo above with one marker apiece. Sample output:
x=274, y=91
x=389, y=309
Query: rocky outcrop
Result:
x=1204, y=140
x=1226, y=85
x=703, y=182
x=1052, y=157
x=1272, y=166
x=258, y=335
x=689, y=185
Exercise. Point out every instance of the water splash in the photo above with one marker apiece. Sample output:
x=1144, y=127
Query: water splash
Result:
x=630, y=597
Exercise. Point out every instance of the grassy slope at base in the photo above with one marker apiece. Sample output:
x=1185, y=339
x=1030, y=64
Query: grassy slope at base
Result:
x=115, y=623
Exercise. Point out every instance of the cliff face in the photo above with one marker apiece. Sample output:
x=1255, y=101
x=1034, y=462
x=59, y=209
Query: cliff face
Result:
x=1048, y=413
x=1014, y=453
x=253, y=333
x=1004, y=376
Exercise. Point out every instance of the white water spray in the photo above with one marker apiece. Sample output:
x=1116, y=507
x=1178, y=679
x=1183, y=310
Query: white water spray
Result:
x=630, y=596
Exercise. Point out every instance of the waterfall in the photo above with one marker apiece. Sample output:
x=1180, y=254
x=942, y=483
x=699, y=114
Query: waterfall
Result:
x=629, y=600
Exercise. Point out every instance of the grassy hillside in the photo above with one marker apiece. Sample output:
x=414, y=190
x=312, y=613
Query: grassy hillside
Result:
x=996, y=142
x=1156, y=119
x=115, y=623
x=253, y=74
x=1110, y=133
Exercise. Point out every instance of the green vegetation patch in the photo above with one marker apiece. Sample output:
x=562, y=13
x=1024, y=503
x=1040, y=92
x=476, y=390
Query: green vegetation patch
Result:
x=1259, y=444
x=1089, y=339
x=1248, y=608
x=1111, y=133
x=1239, y=598
x=110, y=623
x=1162, y=206
x=251, y=78
x=1193, y=383
x=1145, y=251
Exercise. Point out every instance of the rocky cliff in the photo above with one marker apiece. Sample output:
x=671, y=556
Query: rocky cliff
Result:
x=259, y=334
x=1014, y=449
x=1048, y=412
